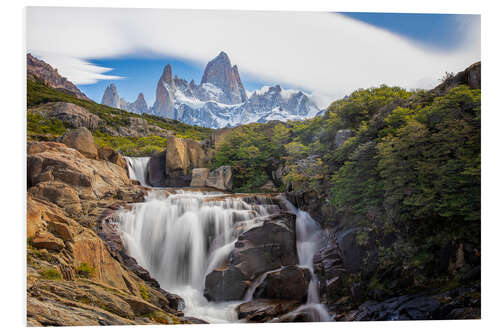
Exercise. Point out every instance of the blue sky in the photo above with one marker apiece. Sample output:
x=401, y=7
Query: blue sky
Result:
x=325, y=54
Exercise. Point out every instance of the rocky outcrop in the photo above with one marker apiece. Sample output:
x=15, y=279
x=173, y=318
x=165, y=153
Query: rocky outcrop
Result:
x=470, y=77
x=290, y=282
x=156, y=169
x=220, y=178
x=39, y=70
x=111, y=97
x=108, y=154
x=72, y=114
x=182, y=156
x=74, y=277
x=342, y=136
x=82, y=140
x=259, y=250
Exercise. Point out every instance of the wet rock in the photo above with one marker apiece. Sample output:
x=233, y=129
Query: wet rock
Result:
x=290, y=282
x=226, y=284
x=156, y=169
x=265, y=310
x=267, y=247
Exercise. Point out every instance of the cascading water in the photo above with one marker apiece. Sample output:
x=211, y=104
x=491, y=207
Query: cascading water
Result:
x=138, y=169
x=181, y=236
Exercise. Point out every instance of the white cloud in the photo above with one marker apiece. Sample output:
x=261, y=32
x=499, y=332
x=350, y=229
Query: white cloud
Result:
x=325, y=53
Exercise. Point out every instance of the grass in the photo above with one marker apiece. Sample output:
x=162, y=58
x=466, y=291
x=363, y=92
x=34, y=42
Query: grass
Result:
x=129, y=145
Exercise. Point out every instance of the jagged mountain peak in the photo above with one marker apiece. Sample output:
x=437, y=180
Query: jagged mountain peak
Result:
x=111, y=97
x=220, y=73
x=167, y=75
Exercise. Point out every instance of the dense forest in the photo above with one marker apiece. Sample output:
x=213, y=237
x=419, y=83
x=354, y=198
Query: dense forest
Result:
x=407, y=175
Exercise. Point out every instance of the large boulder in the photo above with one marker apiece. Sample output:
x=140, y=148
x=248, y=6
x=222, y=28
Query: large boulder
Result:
x=82, y=140
x=266, y=247
x=226, y=284
x=74, y=114
x=290, y=282
x=199, y=177
x=182, y=156
x=220, y=178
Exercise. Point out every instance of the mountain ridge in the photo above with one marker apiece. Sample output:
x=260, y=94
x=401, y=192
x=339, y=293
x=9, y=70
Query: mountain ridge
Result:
x=221, y=100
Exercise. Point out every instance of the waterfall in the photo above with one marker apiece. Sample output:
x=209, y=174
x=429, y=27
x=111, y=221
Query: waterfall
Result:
x=138, y=169
x=181, y=237
x=310, y=237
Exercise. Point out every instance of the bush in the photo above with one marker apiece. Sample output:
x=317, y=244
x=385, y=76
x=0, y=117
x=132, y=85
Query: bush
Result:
x=85, y=270
x=144, y=292
x=50, y=274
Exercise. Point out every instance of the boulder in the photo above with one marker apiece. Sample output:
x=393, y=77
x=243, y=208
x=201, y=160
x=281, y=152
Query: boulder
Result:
x=108, y=154
x=266, y=247
x=226, y=284
x=265, y=310
x=82, y=140
x=74, y=114
x=259, y=250
x=290, y=282
x=182, y=156
x=199, y=177
x=220, y=178
x=342, y=136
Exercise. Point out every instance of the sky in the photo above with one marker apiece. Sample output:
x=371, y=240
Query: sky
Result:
x=328, y=55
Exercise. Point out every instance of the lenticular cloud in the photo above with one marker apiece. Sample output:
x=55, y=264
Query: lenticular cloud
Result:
x=327, y=54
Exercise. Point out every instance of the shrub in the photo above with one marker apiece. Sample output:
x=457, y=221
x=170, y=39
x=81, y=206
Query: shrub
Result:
x=50, y=274
x=144, y=292
x=85, y=270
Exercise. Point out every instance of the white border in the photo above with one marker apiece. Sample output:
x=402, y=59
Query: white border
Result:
x=12, y=113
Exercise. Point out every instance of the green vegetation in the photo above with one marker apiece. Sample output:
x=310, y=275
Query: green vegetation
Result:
x=410, y=172
x=129, y=145
x=163, y=318
x=144, y=292
x=85, y=270
x=50, y=274
x=38, y=93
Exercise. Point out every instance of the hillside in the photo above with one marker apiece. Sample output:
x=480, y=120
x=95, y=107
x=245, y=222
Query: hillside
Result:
x=393, y=175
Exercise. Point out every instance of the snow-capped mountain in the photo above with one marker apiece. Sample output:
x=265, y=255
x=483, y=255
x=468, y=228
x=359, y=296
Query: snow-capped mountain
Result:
x=220, y=100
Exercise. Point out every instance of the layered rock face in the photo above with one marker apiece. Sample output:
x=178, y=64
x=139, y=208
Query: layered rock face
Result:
x=73, y=278
x=38, y=69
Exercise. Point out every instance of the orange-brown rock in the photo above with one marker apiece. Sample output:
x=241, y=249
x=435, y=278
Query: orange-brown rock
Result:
x=112, y=156
x=82, y=140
